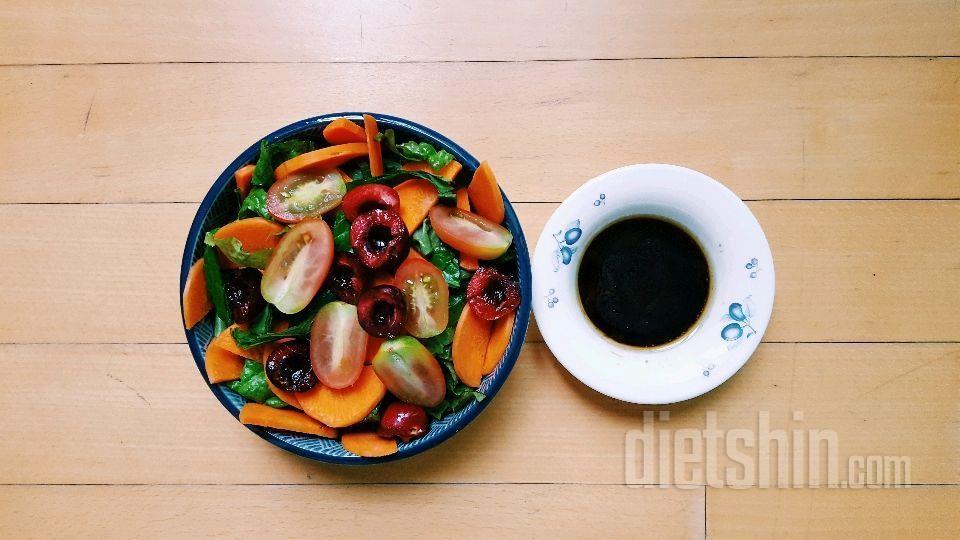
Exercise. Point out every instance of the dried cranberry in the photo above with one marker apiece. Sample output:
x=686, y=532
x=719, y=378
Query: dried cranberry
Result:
x=403, y=420
x=347, y=278
x=380, y=239
x=491, y=294
x=289, y=367
x=242, y=289
x=380, y=311
x=370, y=197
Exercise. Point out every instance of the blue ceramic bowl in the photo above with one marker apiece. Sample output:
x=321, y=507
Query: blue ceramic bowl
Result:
x=220, y=206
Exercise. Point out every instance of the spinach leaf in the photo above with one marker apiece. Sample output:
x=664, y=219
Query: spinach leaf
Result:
x=426, y=242
x=211, y=271
x=361, y=176
x=439, y=345
x=272, y=155
x=415, y=151
x=458, y=299
x=233, y=250
x=447, y=261
x=425, y=239
x=264, y=322
x=341, y=233
x=255, y=204
x=253, y=385
x=458, y=395
x=300, y=325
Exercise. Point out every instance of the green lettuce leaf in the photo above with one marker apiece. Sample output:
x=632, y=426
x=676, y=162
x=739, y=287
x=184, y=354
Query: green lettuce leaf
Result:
x=233, y=250
x=255, y=204
x=272, y=155
x=214, y=278
x=415, y=151
x=341, y=233
x=253, y=385
x=301, y=324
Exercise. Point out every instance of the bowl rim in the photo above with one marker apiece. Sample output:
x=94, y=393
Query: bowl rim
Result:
x=511, y=221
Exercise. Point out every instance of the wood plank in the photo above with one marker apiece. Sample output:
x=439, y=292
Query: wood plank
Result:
x=142, y=414
x=846, y=271
x=424, y=30
x=348, y=511
x=774, y=128
x=928, y=512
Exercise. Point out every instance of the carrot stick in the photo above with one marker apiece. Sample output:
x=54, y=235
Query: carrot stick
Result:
x=342, y=131
x=376, y=157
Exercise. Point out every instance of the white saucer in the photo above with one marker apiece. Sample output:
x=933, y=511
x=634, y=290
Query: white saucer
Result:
x=737, y=312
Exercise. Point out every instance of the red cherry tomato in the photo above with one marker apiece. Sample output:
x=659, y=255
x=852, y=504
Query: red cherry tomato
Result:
x=338, y=345
x=305, y=195
x=469, y=233
x=427, y=297
x=298, y=266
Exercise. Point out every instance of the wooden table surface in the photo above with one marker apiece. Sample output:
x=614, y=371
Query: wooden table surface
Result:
x=837, y=121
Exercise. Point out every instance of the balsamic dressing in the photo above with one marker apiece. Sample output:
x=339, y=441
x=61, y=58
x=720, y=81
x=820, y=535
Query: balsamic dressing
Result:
x=644, y=281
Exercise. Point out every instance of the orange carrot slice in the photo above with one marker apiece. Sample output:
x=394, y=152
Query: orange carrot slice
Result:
x=376, y=157
x=343, y=131
x=225, y=341
x=463, y=203
x=470, y=341
x=254, y=234
x=448, y=171
x=196, y=301
x=417, y=197
x=290, y=398
x=368, y=444
x=222, y=365
x=485, y=194
x=346, y=406
x=263, y=415
x=243, y=176
x=331, y=156
x=499, y=340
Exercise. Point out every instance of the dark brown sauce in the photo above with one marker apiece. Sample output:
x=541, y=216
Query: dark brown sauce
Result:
x=644, y=281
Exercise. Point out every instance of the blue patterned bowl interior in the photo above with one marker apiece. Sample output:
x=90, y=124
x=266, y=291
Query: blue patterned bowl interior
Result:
x=220, y=206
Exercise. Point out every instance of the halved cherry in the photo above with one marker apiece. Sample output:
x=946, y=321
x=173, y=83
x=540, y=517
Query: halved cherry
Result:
x=305, y=195
x=427, y=297
x=381, y=311
x=380, y=239
x=348, y=278
x=492, y=295
x=363, y=199
x=410, y=372
x=338, y=345
x=288, y=367
x=469, y=233
x=298, y=266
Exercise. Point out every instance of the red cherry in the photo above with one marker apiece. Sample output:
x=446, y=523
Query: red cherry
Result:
x=492, y=295
x=370, y=197
x=380, y=239
x=403, y=420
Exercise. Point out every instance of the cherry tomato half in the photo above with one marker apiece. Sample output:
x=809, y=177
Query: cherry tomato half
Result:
x=338, y=345
x=427, y=297
x=305, y=195
x=410, y=372
x=298, y=266
x=469, y=233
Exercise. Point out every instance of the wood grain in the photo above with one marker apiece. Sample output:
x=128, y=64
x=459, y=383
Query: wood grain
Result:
x=348, y=511
x=768, y=129
x=134, y=414
x=846, y=271
x=928, y=511
x=428, y=30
